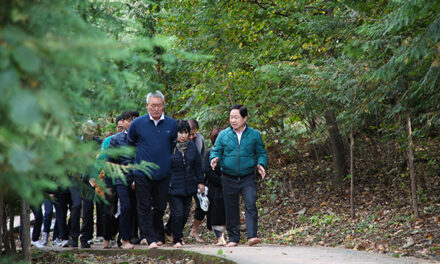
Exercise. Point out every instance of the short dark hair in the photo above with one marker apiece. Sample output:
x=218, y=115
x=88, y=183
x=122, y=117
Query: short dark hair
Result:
x=183, y=126
x=129, y=115
x=118, y=118
x=241, y=108
x=214, y=134
x=193, y=123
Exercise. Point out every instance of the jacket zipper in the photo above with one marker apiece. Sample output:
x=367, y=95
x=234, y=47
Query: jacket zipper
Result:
x=239, y=155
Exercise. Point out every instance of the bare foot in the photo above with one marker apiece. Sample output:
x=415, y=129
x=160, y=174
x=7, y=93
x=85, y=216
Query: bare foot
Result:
x=220, y=241
x=195, y=235
x=106, y=244
x=160, y=243
x=144, y=241
x=126, y=244
x=253, y=241
x=152, y=245
x=177, y=245
x=169, y=238
x=232, y=244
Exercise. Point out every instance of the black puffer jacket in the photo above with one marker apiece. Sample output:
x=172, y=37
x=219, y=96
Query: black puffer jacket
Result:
x=118, y=140
x=186, y=171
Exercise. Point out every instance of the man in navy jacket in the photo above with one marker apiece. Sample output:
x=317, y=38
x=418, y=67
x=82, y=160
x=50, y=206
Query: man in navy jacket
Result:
x=154, y=136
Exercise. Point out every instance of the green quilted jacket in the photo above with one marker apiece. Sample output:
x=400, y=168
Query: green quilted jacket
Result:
x=239, y=159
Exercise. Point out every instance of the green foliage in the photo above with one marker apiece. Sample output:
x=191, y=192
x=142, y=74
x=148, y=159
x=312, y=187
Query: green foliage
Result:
x=61, y=63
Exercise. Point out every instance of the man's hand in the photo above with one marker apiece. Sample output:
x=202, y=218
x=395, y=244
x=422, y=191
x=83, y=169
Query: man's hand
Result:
x=201, y=187
x=262, y=171
x=133, y=186
x=214, y=163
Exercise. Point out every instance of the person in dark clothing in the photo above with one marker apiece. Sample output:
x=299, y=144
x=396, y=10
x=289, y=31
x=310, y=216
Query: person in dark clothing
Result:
x=186, y=177
x=125, y=189
x=199, y=214
x=154, y=136
x=61, y=203
x=81, y=190
x=240, y=150
x=216, y=219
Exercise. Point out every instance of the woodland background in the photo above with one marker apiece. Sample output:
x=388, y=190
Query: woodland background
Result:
x=345, y=93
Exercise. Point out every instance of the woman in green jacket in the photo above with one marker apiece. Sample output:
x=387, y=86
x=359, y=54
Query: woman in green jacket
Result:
x=240, y=151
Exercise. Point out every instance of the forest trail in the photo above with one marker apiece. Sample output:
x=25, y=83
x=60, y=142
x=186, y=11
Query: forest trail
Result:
x=265, y=253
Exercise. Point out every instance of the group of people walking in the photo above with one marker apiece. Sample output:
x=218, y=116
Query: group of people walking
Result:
x=136, y=201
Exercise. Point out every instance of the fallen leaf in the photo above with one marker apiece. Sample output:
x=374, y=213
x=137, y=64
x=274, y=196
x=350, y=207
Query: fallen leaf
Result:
x=301, y=212
x=409, y=243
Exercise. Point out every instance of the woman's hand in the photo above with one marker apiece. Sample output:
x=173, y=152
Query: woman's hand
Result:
x=201, y=187
x=262, y=171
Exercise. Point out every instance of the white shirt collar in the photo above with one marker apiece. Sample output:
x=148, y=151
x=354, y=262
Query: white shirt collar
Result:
x=162, y=117
x=239, y=134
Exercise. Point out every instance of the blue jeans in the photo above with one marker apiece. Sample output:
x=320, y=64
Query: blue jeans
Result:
x=232, y=187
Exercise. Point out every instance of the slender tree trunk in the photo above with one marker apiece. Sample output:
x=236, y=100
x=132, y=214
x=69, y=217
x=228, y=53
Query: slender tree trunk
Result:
x=337, y=146
x=412, y=175
x=11, y=232
x=2, y=218
x=25, y=231
x=4, y=237
x=352, y=212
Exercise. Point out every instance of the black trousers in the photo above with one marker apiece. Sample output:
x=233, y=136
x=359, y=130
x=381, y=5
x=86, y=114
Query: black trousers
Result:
x=87, y=224
x=75, y=211
x=127, y=202
x=199, y=214
x=179, y=207
x=110, y=223
x=38, y=215
x=232, y=187
x=152, y=197
x=62, y=201
x=99, y=206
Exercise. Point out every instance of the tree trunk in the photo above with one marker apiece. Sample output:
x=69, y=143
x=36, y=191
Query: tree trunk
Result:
x=11, y=232
x=412, y=175
x=25, y=231
x=352, y=212
x=2, y=226
x=337, y=146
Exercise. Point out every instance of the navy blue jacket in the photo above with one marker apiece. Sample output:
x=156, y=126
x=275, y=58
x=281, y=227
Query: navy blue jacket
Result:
x=118, y=140
x=186, y=171
x=153, y=143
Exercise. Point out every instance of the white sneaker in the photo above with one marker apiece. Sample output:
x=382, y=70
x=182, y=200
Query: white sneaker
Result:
x=36, y=244
x=44, y=239
x=64, y=243
x=98, y=240
x=56, y=242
